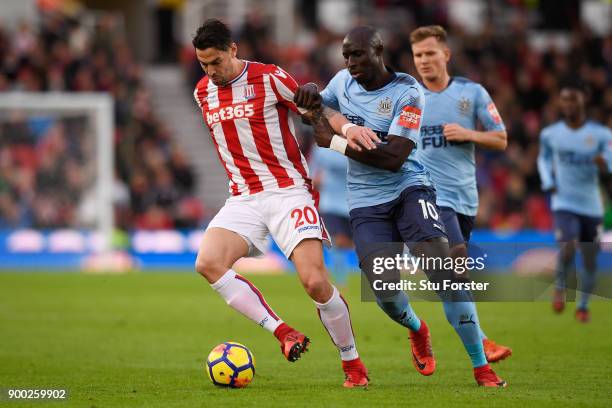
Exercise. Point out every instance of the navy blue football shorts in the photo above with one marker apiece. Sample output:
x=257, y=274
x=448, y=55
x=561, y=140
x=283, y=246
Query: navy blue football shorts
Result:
x=458, y=226
x=570, y=226
x=411, y=218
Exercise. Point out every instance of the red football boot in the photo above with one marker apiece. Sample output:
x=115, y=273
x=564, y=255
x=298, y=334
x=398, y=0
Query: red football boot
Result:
x=356, y=375
x=486, y=377
x=558, y=303
x=293, y=343
x=495, y=352
x=583, y=315
x=422, y=356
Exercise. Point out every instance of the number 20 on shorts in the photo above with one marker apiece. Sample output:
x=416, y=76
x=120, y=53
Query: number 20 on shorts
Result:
x=304, y=215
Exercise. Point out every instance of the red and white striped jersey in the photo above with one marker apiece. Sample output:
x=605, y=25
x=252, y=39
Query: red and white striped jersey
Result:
x=250, y=125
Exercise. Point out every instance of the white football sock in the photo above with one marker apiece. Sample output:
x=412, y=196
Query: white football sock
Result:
x=244, y=297
x=336, y=318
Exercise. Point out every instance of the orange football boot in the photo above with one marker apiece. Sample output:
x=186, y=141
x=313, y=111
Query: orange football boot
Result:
x=558, y=303
x=583, y=315
x=495, y=352
x=422, y=355
x=292, y=342
x=486, y=377
x=356, y=374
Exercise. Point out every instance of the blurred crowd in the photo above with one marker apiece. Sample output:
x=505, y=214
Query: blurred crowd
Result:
x=522, y=79
x=47, y=170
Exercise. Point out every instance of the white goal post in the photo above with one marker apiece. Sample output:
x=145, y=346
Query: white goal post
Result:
x=100, y=108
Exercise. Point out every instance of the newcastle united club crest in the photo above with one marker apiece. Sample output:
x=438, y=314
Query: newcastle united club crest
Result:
x=465, y=106
x=385, y=107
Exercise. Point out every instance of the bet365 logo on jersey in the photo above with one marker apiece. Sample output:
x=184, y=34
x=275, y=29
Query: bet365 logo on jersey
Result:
x=229, y=113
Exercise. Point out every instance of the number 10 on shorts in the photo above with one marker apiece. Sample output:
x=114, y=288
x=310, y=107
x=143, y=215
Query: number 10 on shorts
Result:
x=429, y=210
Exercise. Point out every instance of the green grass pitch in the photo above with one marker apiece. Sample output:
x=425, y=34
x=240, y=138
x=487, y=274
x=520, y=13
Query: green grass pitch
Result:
x=141, y=340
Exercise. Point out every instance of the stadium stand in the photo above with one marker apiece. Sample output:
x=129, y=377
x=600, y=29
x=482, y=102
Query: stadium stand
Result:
x=42, y=159
x=522, y=78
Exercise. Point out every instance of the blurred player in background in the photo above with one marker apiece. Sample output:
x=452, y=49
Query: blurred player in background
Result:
x=449, y=137
x=573, y=151
x=328, y=171
x=246, y=108
x=391, y=197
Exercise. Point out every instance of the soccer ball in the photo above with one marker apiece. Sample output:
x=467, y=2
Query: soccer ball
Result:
x=230, y=365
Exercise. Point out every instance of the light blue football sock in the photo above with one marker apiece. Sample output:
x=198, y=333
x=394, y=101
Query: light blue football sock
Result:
x=588, y=275
x=464, y=319
x=562, y=272
x=483, y=336
x=587, y=284
x=398, y=308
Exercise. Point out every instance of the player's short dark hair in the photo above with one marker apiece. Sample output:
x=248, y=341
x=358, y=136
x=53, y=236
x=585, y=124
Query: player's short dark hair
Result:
x=213, y=34
x=574, y=83
x=423, y=33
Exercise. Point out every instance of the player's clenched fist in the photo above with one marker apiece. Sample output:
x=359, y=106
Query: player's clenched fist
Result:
x=456, y=133
x=307, y=96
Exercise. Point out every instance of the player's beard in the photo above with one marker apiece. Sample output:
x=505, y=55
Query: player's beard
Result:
x=224, y=79
x=219, y=81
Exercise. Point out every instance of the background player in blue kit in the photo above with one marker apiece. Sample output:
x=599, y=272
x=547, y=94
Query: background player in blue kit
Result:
x=328, y=170
x=390, y=194
x=449, y=137
x=573, y=151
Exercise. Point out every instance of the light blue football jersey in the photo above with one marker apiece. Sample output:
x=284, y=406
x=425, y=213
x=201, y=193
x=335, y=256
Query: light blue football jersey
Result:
x=330, y=167
x=394, y=109
x=566, y=163
x=452, y=165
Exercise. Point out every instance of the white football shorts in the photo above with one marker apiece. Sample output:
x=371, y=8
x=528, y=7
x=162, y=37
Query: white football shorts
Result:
x=290, y=215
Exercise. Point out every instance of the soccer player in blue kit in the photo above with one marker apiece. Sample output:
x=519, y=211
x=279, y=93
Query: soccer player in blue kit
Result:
x=390, y=194
x=573, y=151
x=448, y=140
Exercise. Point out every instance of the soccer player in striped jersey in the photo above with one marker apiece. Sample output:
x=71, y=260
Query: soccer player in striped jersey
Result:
x=246, y=106
x=448, y=140
x=573, y=152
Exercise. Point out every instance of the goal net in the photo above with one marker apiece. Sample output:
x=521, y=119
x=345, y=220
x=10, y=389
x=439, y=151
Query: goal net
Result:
x=56, y=171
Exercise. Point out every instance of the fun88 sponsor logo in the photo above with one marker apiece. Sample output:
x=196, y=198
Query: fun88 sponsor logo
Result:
x=575, y=158
x=432, y=130
x=433, y=137
x=229, y=113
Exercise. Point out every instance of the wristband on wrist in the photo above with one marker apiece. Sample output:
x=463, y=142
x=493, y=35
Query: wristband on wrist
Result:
x=339, y=144
x=346, y=127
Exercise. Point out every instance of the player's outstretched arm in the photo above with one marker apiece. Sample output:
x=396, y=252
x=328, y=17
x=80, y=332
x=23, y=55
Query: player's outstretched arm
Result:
x=493, y=140
x=307, y=97
x=358, y=137
x=390, y=156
